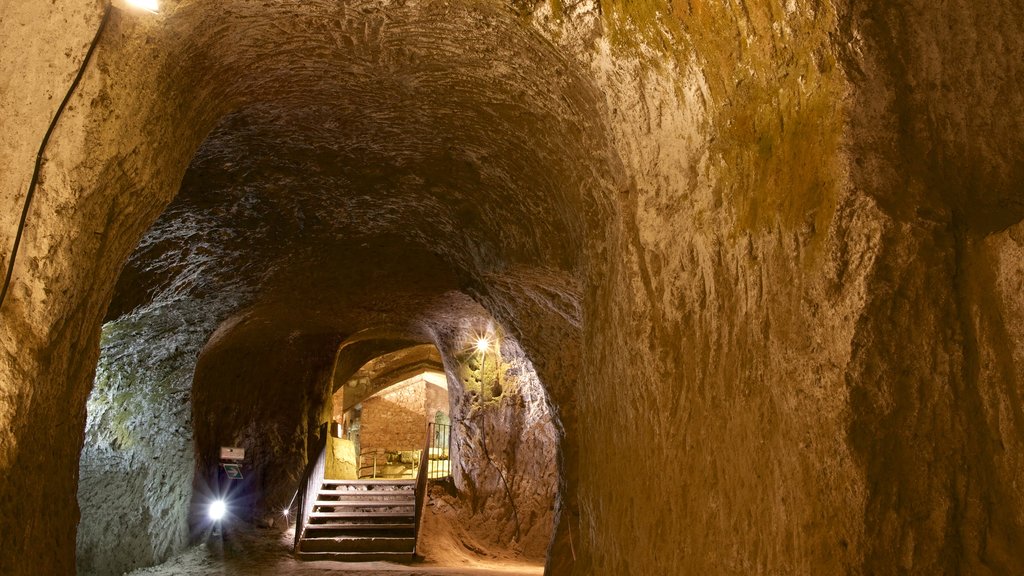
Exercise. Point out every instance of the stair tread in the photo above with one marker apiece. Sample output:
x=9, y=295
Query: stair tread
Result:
x=364, y=503
x=384, y=482
x=345, y=538
x=381, y=527
x=357, y=556
x=375, y=490
x=374, y=498
x=372, y=503
x=369, y=526
x=366, y=544
x=394, y=494
x=361, y=520
x=354, y=514
x=349, y=514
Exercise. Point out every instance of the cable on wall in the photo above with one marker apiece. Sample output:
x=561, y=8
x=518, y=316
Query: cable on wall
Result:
x=42, y=150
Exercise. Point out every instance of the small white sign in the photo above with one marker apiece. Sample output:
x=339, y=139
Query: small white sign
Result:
x=232, y=453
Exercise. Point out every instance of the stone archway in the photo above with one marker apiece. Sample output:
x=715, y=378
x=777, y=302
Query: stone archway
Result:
x=153, y=113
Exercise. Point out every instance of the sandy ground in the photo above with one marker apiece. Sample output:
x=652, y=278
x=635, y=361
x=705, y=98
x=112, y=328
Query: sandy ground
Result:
x=256, y=551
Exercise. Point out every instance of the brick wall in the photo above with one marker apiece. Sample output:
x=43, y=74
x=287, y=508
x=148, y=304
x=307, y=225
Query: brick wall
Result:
x=436, y=399
x=395, y=419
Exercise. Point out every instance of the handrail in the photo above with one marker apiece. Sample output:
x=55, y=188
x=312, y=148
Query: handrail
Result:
x=312, y=479
x=375, y=452
x=421, y=485
x=440, y=451
x=380, y=458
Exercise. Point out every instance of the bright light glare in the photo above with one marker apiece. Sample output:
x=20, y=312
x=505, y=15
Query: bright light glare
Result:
x=482, y=344
x=151, y=5
x=285, y=511
x=217, y=510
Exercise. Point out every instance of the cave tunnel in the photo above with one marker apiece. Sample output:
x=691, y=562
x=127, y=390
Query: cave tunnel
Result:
x=749, y=276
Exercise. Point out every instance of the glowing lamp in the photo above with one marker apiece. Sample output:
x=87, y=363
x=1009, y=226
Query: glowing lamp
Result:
x=151, y=5
x=482, y=344
x=217, y=510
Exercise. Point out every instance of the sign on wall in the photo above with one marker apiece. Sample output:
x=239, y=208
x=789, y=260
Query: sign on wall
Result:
x=232, y=453
x=233, y=471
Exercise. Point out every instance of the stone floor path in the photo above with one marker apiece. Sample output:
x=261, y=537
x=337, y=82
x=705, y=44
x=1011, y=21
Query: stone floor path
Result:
x=258, y=552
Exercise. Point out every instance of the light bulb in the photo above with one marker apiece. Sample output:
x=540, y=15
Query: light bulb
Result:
x=151, y=5
x=217, y=510
x=482, y=344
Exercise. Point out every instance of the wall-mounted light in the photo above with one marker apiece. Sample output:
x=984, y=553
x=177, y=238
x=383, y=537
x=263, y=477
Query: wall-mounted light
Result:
x=217, y=510
x=149, y=5
x=482, y=344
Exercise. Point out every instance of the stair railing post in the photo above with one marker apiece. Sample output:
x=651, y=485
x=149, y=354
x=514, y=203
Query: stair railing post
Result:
x=298, y=520
x=421, y=489
x=311, y=481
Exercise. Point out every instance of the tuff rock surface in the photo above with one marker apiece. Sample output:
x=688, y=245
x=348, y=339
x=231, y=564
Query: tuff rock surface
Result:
x=772, y=246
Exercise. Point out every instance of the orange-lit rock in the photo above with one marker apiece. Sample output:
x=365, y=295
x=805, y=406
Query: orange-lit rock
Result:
x=764, y=261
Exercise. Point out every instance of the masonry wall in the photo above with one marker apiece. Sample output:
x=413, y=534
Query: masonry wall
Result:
x=395, y=419
x=436, y=400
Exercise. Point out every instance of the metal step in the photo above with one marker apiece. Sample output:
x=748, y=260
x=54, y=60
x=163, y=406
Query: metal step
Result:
x=406, y=500
x=360, y=526
x=372, y=483
x=349, y=502
x=376, y=494
x=359, y=544
x=400, y=557
x=361, y=521
x=406, y=510
x=366, y=515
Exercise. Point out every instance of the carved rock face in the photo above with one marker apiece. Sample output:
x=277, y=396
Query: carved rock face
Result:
x=775, y=245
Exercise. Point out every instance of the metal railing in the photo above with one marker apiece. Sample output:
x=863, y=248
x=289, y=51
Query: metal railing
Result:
x=309, y=487
x=369, y=462
x=421, y=487
x=438, y=452
x=437, y=445
x=381, y=463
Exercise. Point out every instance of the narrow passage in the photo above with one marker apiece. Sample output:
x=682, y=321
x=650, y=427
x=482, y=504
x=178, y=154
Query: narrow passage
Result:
x=258, y=552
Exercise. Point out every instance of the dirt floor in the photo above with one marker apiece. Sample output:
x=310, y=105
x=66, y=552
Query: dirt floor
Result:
x=259, y=551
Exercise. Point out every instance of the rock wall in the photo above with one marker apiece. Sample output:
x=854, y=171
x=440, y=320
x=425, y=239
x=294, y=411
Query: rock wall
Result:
x=774, y=243
x=268, y=396
x=136, y=467
x=139, y=447
x=503, y=449
x=797, y=279
x=343, y=463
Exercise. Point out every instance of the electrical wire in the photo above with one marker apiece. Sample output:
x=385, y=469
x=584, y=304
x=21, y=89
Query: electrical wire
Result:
x=42, y=150
x=508, y=492
x=483, y=442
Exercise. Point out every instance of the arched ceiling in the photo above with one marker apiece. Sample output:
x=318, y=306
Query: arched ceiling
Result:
x=365, y=164
x=384, y=371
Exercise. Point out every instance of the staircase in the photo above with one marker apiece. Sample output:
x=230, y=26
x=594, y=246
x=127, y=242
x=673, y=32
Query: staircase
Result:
x=361, y=521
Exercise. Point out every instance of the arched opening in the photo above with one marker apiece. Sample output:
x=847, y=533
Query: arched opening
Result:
x=493, y=456
x=384, y=408
x=327, y=205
